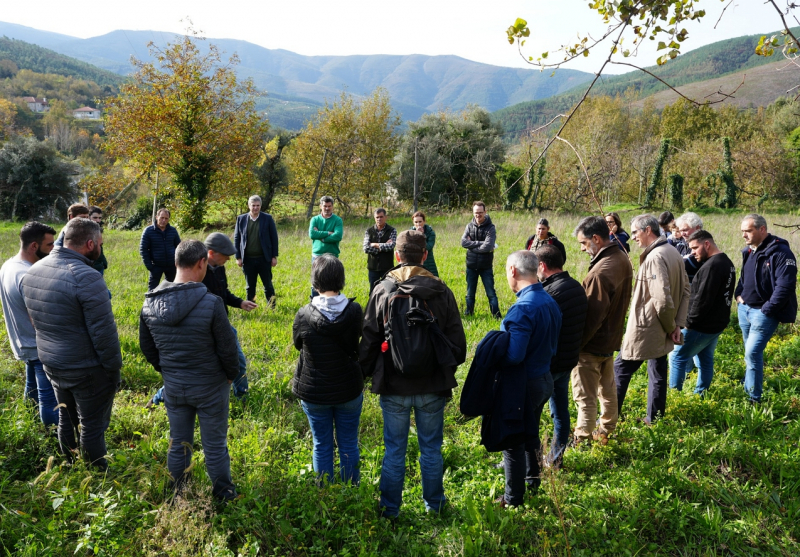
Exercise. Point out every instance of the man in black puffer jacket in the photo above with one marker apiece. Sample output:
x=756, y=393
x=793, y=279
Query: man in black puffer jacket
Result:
x=571, y=299
x=76, y=337
x=157, y=248
x=185, y=334
x=479, y=240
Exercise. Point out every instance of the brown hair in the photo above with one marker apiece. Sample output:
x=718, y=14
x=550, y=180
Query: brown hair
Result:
x=617, y=220
x=77, y=209
x=419, y=214
x=479, y=204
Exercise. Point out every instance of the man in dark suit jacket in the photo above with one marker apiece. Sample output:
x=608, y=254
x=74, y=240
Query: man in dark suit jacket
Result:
x=256, y=243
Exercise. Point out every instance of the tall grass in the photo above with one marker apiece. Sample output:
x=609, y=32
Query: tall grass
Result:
x=715, y=476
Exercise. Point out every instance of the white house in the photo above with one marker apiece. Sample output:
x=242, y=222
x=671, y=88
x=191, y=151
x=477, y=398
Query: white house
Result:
x=37, y=105
x=87, y=113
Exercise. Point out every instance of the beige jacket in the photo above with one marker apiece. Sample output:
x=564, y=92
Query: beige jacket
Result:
x=660, y=303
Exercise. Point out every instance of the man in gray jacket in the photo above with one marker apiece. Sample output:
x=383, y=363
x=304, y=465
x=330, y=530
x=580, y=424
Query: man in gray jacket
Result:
x=185, y=334
x=76, y=337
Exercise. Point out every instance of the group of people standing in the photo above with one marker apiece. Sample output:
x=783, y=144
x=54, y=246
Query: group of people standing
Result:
x=409, y=339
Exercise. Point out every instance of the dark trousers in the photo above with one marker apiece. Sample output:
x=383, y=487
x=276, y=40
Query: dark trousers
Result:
x=487, y=277
x=155, y=276
x=375, y=276
x=255, y=267
x=522, y=461
x=559, y=410
x=656, y=384
x=87, y=396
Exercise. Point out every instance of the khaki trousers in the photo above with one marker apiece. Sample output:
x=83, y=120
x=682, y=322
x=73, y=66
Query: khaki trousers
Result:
x=593, y=378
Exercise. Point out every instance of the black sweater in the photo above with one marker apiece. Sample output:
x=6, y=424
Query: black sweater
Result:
x=571, y=299
x=712, y=292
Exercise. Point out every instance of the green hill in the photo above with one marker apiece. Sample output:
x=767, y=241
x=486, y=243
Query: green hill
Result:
x=732, y=58
x=42, y=60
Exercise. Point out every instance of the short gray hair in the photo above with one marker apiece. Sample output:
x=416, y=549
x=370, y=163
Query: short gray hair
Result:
x=641, y=222
x=253, y=198
x=189, y=252
x=692, y=220
x=525, y=262
x=80, y=230
x=758, y=220
x=325, y=199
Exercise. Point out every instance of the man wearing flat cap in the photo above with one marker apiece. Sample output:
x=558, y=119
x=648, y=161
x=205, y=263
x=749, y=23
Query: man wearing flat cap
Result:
x=220, y=250
x=425, y=391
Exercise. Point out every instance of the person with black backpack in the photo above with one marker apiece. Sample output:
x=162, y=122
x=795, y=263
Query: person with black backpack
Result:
x=412, y=343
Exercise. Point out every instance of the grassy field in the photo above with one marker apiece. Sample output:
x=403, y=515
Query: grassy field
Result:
x=715, y=476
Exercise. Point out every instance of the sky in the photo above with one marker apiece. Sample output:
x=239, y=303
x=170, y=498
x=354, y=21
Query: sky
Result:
x=472, y=29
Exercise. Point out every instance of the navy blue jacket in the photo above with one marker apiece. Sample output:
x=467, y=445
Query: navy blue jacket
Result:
x=534, y=323
x=157, y=247
x=267, y=233
x=496, y=391
x=776, y=277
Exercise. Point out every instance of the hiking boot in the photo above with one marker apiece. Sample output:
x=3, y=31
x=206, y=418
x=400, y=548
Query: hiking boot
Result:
x=600, y=437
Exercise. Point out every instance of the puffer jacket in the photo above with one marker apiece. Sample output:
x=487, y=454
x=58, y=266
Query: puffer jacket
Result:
x=414, y=280
x=660, y=303
x=571, y=299
x=157, y=247
x=67, y=300
x=185, y=334
x=479, y=242
x=327, y=371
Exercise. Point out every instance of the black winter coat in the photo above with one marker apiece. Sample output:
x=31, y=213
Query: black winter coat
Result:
x=216, y=280
x=185, y=334
x=479, y=241
x=571, y=299
x=68, y=303
x=157, y=247
x=551, y=240
x=327, y=371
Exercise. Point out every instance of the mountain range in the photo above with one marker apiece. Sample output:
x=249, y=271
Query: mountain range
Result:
x=416, y=83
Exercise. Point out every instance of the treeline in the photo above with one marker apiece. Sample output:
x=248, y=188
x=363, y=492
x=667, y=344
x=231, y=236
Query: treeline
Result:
x=682, y=156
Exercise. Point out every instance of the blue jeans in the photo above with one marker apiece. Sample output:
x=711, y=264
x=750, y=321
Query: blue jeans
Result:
x=757, y=329
x=487, y=277
x=39, y=389
x=239, y=387
x=87, y=396
x=345, y=417
x=429, y=418
x=209, y=403
x=699, y=346
x=522, y=462
x=559, y=410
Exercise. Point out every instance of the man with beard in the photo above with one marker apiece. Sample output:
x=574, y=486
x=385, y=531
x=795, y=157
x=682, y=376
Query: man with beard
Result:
x=76, y=338
x=608, y=289
x=709, y=312
x=36, y=242
x=479, y=241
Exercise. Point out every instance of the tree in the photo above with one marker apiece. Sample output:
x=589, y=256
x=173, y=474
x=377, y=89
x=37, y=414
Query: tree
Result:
x=271, y=171
x=457, y=157
x=186, y=113
x=346, y=152
x=34, y=178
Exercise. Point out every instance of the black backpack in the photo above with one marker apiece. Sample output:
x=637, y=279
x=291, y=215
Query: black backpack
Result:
x=407, y=325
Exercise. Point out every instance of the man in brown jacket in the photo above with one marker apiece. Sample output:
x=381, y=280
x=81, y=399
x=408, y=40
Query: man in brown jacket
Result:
x=608, y=289
x=658, y=312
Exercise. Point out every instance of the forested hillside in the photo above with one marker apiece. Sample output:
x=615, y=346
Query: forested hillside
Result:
x=714, y=61
x=28, y=56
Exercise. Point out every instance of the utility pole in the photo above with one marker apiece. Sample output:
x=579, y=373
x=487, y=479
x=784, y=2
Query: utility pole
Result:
x=416, y=191
x=155, y=199
x=316, y=187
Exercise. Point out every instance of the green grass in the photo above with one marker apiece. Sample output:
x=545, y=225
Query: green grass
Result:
x=715, y=476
